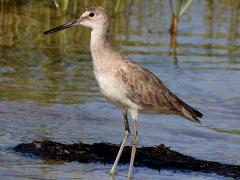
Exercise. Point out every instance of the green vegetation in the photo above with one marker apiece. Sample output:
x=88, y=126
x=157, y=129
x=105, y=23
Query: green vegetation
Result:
x=62, y=5
x=228, y=131
x=117, y=5
x=55, y=68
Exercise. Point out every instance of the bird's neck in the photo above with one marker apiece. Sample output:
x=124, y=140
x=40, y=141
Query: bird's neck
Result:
x=100, y=50
x=99, y=41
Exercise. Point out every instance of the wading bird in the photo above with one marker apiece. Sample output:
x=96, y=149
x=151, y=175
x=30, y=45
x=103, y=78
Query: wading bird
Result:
x=127, y=85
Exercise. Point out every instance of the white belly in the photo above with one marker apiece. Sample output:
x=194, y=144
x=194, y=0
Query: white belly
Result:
x=113, y=90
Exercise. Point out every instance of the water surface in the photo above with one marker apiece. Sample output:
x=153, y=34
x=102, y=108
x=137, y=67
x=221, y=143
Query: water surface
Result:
x=48, y=91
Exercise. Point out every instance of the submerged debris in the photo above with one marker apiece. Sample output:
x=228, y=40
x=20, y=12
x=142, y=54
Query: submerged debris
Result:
x=158, y=157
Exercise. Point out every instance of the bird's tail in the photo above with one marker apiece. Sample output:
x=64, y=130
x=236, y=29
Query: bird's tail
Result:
x=190, y=113
x=196, y=115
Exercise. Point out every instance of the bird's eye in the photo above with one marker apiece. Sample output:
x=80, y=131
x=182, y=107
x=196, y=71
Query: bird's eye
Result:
x=91, y=14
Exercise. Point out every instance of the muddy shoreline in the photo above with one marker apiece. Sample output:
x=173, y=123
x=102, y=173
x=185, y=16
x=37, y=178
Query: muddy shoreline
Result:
x=157, y=157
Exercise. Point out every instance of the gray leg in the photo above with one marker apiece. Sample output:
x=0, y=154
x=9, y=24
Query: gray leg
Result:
x=134, y=147
x=124, y=142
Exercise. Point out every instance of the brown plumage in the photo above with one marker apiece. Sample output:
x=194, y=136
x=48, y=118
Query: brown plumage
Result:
x=147, y=90
x=132, y=88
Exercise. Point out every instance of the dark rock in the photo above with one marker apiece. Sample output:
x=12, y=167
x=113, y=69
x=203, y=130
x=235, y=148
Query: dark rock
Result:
x=158, y=157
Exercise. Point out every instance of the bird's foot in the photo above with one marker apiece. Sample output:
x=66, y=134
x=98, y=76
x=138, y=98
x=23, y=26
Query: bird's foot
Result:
x=112, y=174
x=129, y=177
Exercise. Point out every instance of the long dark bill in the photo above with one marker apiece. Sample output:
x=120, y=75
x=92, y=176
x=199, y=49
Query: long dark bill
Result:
x=64, y=26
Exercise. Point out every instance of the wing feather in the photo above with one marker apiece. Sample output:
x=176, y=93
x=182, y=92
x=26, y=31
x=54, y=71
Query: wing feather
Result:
x=147, y=90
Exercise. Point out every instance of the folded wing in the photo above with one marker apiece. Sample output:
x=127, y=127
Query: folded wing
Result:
x=147, y=90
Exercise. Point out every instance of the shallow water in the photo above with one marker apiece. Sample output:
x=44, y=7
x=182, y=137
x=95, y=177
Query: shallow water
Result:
x=48, y=91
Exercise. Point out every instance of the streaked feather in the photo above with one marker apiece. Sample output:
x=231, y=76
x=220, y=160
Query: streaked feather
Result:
x=148, y=91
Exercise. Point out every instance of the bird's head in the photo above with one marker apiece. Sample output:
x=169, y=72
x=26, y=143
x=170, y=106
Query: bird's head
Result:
x=93, y=17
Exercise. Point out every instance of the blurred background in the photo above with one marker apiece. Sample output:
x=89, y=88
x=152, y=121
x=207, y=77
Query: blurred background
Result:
x=48, y=91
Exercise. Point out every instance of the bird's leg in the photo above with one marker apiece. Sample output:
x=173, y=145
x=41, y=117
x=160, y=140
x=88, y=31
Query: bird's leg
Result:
x=124, y=142
x=134, y=147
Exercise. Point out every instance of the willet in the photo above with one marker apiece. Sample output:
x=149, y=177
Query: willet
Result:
x=127, y=85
